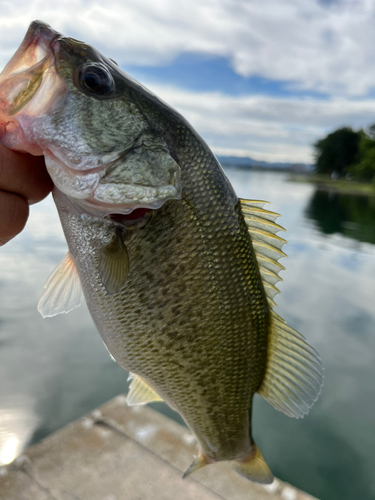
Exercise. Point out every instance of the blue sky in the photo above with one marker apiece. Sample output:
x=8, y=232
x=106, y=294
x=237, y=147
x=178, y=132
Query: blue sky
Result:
x=205, y=72
x=260, y=79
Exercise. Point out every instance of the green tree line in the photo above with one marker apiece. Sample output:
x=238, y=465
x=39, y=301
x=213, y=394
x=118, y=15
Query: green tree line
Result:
x=347, y=152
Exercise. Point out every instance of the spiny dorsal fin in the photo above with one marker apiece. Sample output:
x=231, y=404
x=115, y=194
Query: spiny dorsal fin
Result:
x=140, y=392
x=269, y=276
x=62, y=291
x=267, y=245
x=114, y=263
x=270, y=264
x=253, y=203
x=294, y=372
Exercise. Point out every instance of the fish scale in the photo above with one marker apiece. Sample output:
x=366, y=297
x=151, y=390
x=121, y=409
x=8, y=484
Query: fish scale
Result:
x=178, y=273
x=154, y=244
x=221, y=302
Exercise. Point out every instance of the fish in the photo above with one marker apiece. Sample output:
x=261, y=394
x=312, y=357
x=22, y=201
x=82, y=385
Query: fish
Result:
x=178, y=273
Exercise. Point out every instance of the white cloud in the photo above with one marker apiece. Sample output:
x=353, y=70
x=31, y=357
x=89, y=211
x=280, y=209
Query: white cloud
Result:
x=327, y=48
x=266, y=128
x=322, y=47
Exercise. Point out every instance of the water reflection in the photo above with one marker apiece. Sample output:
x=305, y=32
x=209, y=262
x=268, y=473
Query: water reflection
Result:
x=351, y=215
x=17, y=425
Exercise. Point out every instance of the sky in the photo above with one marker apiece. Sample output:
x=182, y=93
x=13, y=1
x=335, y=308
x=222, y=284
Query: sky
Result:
x=260, y=79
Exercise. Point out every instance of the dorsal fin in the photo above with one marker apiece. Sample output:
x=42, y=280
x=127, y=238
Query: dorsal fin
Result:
x=267, y=245
x=140, y=392
x=294, y=372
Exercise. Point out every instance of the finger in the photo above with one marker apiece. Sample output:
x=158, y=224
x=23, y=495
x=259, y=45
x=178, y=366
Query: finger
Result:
x=24, y=174
x=14, y=212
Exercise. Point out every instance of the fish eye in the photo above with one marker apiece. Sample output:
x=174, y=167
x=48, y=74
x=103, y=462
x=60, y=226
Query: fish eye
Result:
x=96, y=79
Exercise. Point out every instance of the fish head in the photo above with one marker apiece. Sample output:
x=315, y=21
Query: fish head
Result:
x=62, y=98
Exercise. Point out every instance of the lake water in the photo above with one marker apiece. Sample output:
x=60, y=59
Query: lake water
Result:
x=55, y=370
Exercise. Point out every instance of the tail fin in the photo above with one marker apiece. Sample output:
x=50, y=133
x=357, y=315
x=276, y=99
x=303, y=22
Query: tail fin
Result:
x=254, y=467
x=198, y=462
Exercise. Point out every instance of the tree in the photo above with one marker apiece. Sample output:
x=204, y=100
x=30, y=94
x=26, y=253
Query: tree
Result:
x=364, y=168
x=337, y=151
x=371, y=131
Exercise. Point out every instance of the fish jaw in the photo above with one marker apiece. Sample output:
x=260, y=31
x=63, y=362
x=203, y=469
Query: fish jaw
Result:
x=42, y=111
x=29, y=88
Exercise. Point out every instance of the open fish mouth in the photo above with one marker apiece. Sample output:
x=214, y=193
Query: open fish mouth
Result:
x=35, y=48
x=35, y=90
x=28, y=85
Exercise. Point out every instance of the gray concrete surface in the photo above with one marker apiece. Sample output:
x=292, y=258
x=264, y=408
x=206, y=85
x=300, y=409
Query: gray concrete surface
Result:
x=126, y=453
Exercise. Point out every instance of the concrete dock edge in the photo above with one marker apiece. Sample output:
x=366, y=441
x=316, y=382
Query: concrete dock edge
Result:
x=119, y=452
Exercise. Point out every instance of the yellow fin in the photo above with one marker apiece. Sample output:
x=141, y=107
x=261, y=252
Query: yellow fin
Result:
x=268, y=238
x=294, y=372
x=270, y=290
x=255, y=221
x=140, y=392
x=269, y=276
x=260, y=213
x=268, y=251
x=269, y=264
x=62, y=291
x=267, y=245
x=253, y=203
x=199, y=461
x=114, y=264
x=254, y=467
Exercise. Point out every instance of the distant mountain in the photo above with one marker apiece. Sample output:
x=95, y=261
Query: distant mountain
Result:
x=246, y=162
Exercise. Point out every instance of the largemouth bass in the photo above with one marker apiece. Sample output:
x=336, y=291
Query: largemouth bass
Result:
x=179, y=274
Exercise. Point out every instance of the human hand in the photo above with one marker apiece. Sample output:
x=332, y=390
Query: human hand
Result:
x=23, y=181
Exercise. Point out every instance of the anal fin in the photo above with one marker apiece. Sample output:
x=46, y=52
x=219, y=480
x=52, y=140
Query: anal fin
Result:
x=62, y=291
x=140, y=392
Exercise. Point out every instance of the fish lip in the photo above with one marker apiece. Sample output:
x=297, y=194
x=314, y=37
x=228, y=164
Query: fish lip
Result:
x=35, y=54
x=44, y=38
x=41, y=31
x=39, y=44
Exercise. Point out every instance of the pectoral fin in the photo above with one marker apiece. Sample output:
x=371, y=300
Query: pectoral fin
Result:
x=62, y=291
x=114, y=264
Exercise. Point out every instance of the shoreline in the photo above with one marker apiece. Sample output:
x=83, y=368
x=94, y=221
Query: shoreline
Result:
x=342, y=186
